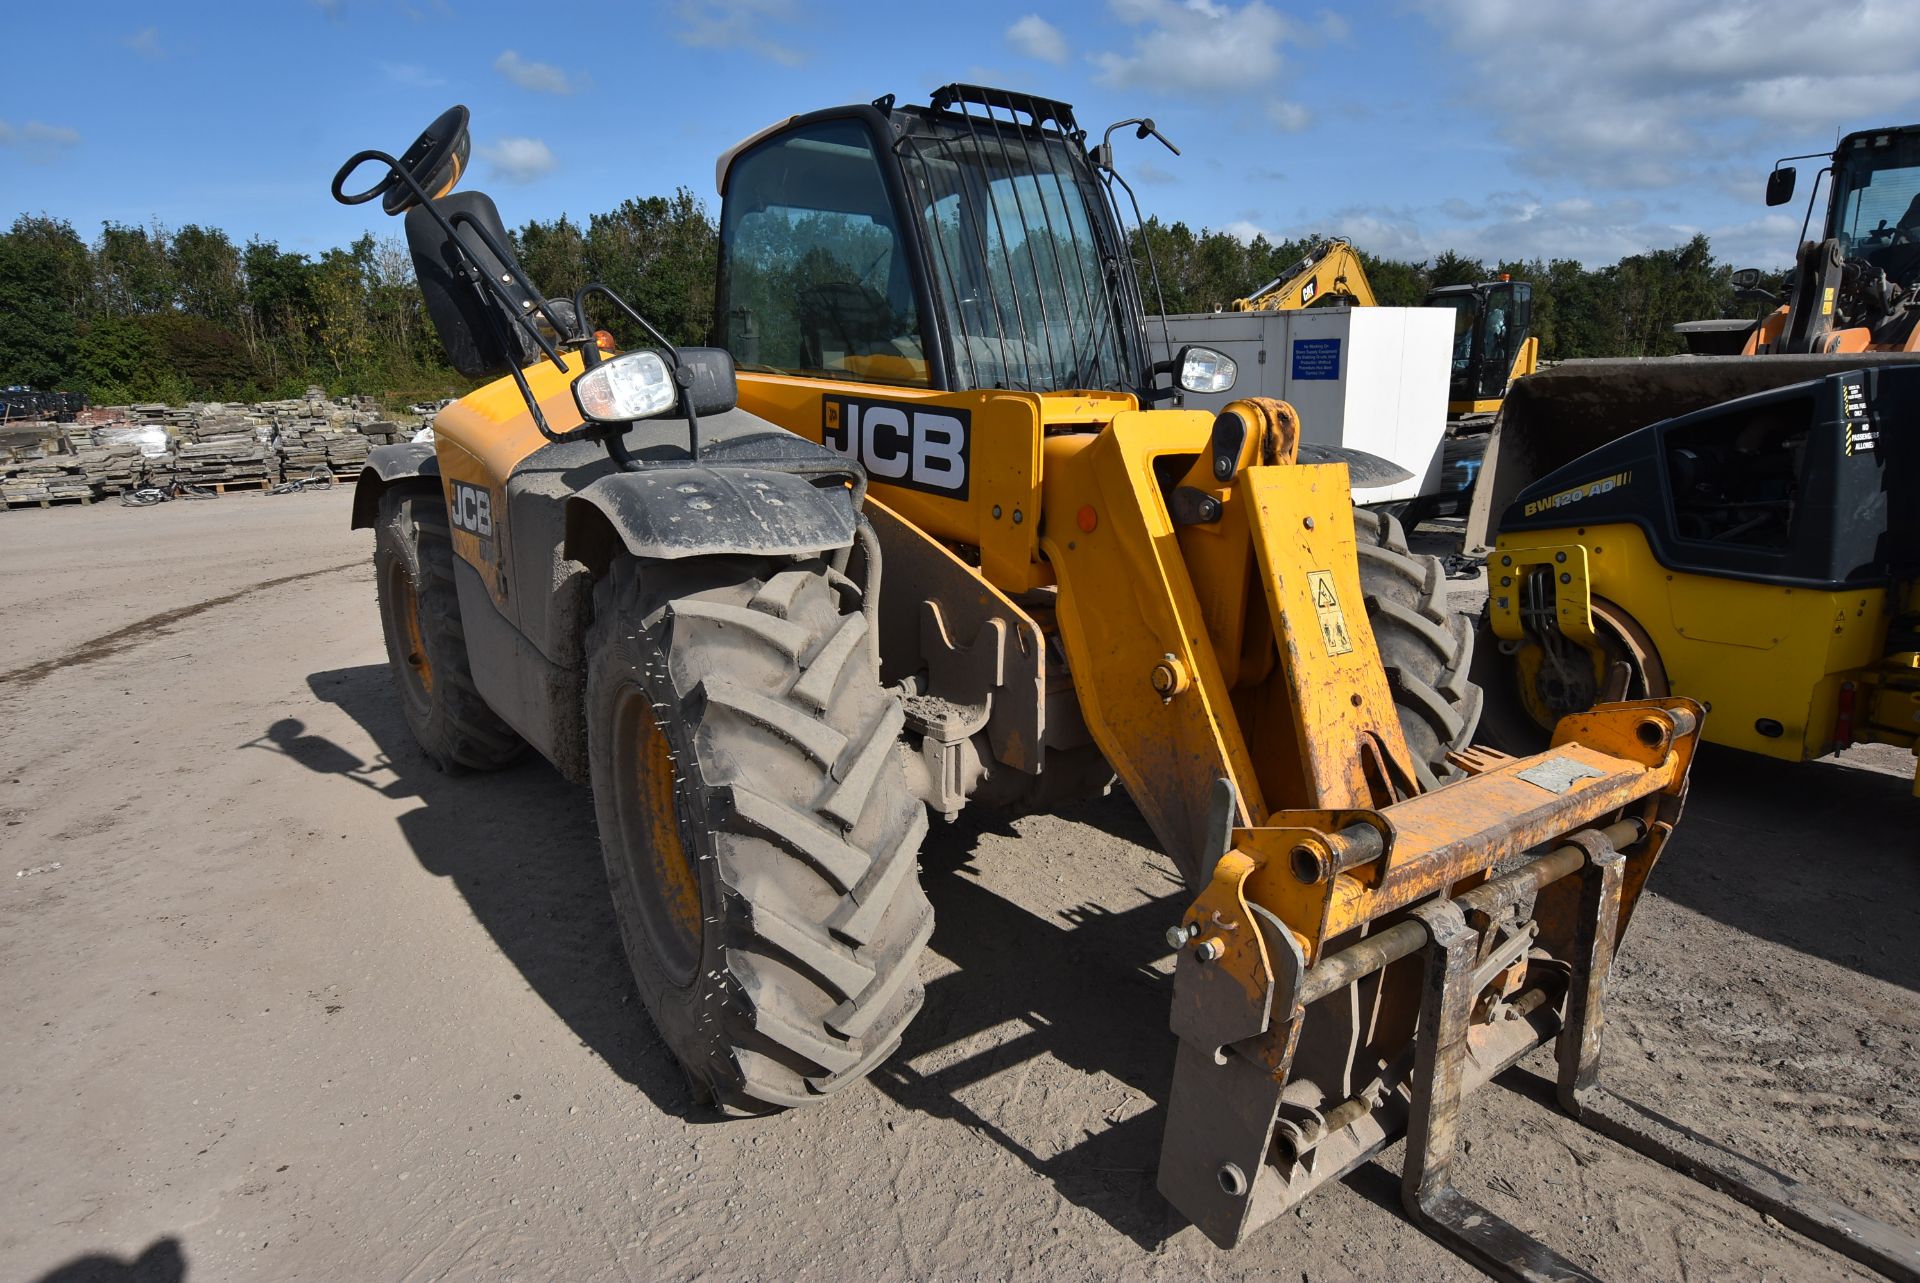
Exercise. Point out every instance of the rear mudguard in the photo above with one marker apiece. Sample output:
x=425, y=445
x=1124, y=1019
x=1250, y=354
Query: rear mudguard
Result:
x=667, y=513
x=385, y=465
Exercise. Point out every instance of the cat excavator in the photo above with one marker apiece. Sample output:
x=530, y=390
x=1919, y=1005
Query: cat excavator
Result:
x=1332, y=271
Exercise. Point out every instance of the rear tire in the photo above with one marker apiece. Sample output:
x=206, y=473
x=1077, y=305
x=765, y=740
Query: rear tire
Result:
x=1426, y=648
x=760, y=840
x=426, y=646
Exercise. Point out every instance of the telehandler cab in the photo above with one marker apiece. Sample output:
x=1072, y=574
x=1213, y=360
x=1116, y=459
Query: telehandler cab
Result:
x=936, y=543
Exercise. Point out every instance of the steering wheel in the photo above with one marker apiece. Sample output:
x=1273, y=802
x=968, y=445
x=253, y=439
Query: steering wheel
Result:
x=434, y=162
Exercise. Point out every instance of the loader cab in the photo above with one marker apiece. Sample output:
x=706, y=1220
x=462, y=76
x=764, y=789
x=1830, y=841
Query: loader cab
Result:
x=1874, y=201
x=968, y=244
x=1855, y=285
x=1491, y=324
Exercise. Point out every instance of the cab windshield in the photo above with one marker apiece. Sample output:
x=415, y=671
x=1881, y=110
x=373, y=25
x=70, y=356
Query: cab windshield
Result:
x=1029, y=290
x=1876, y=203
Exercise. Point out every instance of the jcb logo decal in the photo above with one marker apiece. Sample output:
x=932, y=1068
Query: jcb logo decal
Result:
x=920, y=447
x=472, y=509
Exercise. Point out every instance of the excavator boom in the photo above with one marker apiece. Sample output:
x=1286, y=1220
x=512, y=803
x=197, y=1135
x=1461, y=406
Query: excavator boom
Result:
x=1332, y=271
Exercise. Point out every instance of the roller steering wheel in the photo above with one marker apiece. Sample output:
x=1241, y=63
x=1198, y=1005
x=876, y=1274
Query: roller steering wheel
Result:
x=434, y=162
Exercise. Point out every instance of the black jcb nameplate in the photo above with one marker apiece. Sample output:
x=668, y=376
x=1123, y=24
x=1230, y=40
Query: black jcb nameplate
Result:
x=922, y=447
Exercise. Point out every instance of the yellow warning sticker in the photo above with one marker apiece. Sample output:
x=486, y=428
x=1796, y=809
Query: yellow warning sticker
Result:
x=1333, y=620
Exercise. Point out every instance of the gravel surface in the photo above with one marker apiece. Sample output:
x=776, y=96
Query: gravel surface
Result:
x=283, y=1002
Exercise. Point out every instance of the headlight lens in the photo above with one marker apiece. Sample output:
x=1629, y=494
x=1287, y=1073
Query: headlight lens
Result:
x=635, y=385
x=1204, y=370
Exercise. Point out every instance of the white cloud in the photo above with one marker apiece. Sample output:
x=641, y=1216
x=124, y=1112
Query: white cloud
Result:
x=1146, y=171
x=536, y=77
x=37, y=135
x=146, y=43
x=1196, y=47
x=1246, y=232
x=1522, y=225
x=1035, y=37
x=1637, y=93
x=412, y=75
x=519, y=160
x=1288, y=117
x=738, y=24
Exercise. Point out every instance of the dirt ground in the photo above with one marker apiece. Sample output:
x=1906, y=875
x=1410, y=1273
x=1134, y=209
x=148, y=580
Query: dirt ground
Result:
x=280, y=1001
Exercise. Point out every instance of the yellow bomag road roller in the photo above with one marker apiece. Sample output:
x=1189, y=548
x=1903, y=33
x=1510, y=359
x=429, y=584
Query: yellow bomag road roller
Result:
x=1761, y=556
x=943, y=536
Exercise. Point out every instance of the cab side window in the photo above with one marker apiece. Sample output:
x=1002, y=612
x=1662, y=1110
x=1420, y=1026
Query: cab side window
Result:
x=814, y=274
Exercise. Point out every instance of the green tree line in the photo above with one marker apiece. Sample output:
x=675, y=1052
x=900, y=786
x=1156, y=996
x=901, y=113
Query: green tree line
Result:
x=158, y=314
x=1627, y=308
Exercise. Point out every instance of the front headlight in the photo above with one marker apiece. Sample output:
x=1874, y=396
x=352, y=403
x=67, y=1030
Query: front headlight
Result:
x=1204, y=370
x=635, y=385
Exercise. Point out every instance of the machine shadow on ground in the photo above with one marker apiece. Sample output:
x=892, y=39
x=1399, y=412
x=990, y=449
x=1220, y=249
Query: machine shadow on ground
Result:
x=162, y=1262
x=520, y=846
x=1817, y=856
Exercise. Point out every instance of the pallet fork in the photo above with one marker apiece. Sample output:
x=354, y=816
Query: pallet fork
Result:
x=1241, y=1148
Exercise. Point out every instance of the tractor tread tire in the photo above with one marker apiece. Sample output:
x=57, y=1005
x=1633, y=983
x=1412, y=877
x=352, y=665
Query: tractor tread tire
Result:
x=794, y=811
x=453, y=724
x=1426, y=648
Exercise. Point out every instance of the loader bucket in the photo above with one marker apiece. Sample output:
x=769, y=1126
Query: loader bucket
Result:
x=1553, y=417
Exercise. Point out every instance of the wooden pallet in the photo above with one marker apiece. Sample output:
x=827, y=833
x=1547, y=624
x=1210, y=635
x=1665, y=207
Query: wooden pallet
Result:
x=243, y=483
x=81, y=499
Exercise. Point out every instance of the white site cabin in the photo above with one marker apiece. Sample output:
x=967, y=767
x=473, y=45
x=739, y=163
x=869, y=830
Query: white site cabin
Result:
x=1366, y=378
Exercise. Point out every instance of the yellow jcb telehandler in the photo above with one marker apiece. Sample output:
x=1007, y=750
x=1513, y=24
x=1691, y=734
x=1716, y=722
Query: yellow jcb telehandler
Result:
x=941, y=537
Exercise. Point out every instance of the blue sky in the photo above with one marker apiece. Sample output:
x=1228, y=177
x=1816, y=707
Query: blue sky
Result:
x=1495, y=127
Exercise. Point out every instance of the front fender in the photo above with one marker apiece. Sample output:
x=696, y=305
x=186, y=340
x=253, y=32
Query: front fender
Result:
x=385, y=465
x=696, y=511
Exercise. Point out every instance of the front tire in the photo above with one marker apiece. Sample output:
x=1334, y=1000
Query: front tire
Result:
x=759, y=836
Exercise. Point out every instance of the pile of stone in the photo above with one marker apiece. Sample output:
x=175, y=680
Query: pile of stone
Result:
x=82, y=474
x=203, y=444
x=220, y=446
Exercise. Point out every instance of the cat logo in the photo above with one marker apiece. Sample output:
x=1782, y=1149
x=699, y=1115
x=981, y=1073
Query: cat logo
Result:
x=919, y=447
x=472, y=509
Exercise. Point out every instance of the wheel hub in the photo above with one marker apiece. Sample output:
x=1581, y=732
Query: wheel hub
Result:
x=668, y=890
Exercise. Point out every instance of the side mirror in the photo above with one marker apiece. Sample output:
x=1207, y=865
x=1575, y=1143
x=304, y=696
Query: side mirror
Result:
x=1746, y=288
x=1780, y=185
